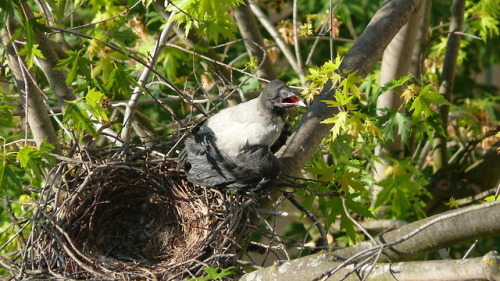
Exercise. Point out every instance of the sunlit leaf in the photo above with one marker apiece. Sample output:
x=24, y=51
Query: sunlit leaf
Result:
x=421, y=106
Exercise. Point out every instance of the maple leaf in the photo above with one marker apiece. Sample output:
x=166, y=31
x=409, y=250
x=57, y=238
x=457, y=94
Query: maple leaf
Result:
x=348, y=179
x=390, y=121
x=409, y=94
x=350, y=84
x=31, y=52
x=421, y=104
x=340, y=123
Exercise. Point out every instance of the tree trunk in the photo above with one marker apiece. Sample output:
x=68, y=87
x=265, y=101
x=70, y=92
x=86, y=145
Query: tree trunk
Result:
x=395, y=64
x=32, y=97
x=440, y=156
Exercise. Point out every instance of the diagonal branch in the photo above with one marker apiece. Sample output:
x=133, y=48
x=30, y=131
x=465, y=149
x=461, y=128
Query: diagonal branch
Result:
x=384, y=25
x=134, y=99
x=404, y=243
x=253, y=40
x=276, y=36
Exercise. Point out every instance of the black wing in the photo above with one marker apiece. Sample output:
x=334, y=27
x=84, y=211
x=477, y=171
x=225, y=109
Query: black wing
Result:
x=254, y=167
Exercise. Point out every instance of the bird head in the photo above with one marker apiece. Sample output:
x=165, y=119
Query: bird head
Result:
x=277, y=95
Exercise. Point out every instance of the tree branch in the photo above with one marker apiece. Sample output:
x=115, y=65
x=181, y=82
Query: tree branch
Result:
x=409, y=241
x=250, y=31
x=134, y=99
x=385, y=24
x=56, y=78
x=276, y=36
x=36, y=112
x=440, y=156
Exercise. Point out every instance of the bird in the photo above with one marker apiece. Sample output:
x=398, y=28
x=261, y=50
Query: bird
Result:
x=233, y=149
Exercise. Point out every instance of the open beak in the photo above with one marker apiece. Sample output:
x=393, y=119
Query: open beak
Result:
x=292, y=100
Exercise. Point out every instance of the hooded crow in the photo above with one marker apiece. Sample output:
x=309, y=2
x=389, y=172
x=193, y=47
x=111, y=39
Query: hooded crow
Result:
x=232, y=148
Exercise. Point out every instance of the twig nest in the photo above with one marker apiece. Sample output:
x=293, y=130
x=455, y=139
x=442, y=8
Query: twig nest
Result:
x=137, y=221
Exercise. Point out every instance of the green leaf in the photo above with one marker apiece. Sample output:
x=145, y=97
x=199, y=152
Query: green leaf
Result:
x=400, y=204
x=77, y=64
x=213, y=273
x=172, y=59
x=24, y=155
x=390, y=121
x=359, y=208
x=308, y=201
x=340, y=123
x=395, y=83
x=94, y=99
x=421, y=105
x=333, y=208
x=342, y=98
x=120, y=81
x=385, y=194
x=350, y=84
x=349, y=179
x=33, y=159
x=122, y=34
x=211, y=17
x=348, y=226
x=31, y=51
x=9, y=176
x=76, y=116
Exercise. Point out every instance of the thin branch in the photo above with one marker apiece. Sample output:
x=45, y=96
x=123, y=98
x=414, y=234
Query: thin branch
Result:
x=170, y=85
x=346, y=210
x=298, y=57
x=440, y=156
x=121, y=14
x=214, y=61
x=132, y=104
x=311, y=216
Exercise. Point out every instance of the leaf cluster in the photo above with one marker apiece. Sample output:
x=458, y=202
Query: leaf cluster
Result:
x=209, y=18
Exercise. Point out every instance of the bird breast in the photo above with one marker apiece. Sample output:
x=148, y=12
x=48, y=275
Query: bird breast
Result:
x=244, y=125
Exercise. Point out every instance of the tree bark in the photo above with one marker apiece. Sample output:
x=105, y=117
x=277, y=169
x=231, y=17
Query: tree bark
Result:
x=422, y=40
x=405, y=243
x=483, y=268
x=32, y=97
x=253, y=40
x=56, y=78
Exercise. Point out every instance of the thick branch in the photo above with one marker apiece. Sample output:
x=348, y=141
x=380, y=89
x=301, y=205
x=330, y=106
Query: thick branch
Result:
x=56, y=78
x=254, y=44
x=409, y=241
x=362, y=57
x=36, y=112
x=484, y=268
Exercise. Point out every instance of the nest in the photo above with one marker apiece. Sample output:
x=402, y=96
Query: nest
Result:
x=140, y=220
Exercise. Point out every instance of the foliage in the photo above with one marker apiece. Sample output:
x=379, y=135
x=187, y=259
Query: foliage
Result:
x=213, y=273
x=209, y=17
x=103, y=47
